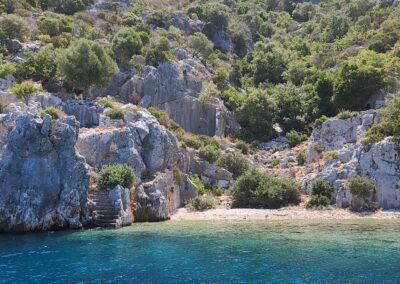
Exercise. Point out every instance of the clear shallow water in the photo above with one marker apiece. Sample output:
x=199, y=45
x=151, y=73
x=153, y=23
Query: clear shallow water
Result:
x=209, y=252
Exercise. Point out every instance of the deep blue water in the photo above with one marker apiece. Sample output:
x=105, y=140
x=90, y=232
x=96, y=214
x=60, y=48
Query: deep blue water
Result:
x=209, y=252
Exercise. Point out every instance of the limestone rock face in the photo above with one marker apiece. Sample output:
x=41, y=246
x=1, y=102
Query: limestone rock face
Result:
x=86, y=112
x=380, y=162
x=141, y=142
x=175, y=87
x=185, y=24
x=121, y=199
x=43, y=182
x=157, y=199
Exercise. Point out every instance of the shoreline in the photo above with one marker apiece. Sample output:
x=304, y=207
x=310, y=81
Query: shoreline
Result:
x=288, y=213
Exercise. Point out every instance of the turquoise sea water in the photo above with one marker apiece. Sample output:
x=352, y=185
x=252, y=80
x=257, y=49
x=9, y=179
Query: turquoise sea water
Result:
x=209, y=252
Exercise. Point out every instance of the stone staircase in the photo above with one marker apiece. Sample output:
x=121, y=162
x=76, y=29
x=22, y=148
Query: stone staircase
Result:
x=105, y=214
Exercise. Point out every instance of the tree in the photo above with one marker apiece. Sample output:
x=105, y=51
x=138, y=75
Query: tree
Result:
x=49, y=26
x=85, y=63
x=201, y=45
x=126, y=43
x=355, y=84
x=256, y=116
x=12, y=27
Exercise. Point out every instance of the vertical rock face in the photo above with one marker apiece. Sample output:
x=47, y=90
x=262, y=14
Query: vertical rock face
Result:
x=157, y=199
x=43, y=182
x=121, y=199
x=175, y=87
x=380, y=162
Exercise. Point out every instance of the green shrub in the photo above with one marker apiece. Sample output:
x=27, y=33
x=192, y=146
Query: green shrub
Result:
x=321, y=187
x=319, y=121
x=318, y=201
x=318, y=147
x=294, y=138
x=346, y=114
x=209, y=153
x=201, y=203
x=85, y=63
x=107, y=103
x=199, y=184
x=115, y=113
x=330, y=155
x=235, y=163
x=361, y=187
x=274, y=163
x=2, y=107
x=8, y=68
x=216, y=191
x=320, y=194
x=301, y=157
x=243, y=146
x=179, y=177
x=257, y=190
x=24, y=89
x=113, y=175
x=53, y=112
x=164, y=120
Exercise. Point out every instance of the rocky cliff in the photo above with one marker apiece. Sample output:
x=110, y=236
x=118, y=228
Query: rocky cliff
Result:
x=380, y=161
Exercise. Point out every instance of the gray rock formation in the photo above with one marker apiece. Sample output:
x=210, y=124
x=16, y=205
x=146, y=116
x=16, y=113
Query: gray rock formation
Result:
x=210, y=174
x=121, y=199
x=43, y=182
x=185, y=24
x=175, y=88
x=86, y=112
x=142, y=142
x=157, y=199
x=380, y=162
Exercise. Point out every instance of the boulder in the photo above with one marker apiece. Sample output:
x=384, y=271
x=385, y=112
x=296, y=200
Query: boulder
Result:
x=43, y=182
x=7, y=82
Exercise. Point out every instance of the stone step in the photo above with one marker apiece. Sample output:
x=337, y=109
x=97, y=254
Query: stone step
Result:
x=108, y=225
x=100, y=211
x=104, y=222
x=107, y=216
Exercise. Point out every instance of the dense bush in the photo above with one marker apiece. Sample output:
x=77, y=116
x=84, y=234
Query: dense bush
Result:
x=53, y=112
x=257, y=190
x=243, y=147
x=235, y=163
x=84, y=64
x=115, y=113
x=113, y=175
x=294, y=138
x=301, y=157
x=126, y=43
x=201, y=203
x=199, y=184
x=361, y=187
x=209, y=153
x=24, y=89
x=12, y=27
x=320, y=194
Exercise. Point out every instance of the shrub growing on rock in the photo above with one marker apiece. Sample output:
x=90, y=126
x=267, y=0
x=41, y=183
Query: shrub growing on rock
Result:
x=330, y=155
x=235, y=163
x=361, y=187
x=113, y=175
x=294, y=138
x=318, y=201
x=301, y=157
x=209, y=153
x=201, y=203
x=199, y=184
x=24, y=89
x=115, y=113
x=258, y=190
x=126, y=43
x=52, y=111
x=243, y=146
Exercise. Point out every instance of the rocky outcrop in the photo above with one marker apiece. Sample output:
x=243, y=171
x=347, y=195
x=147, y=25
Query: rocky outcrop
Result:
x=86, y=112
x=142, y=142
x=43, y=182
x=380, y=162
x=175, y=87
x=121, y=199
x=155, y=200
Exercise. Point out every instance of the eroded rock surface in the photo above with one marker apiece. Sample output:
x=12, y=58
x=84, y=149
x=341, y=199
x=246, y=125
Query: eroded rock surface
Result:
x=43, y=181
